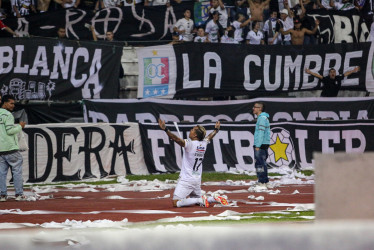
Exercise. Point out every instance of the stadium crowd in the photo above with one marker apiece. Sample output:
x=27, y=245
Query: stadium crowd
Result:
x=230, y=21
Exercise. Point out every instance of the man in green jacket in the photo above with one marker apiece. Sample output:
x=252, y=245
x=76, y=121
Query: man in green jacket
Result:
x=261, y=143
x=10, y=157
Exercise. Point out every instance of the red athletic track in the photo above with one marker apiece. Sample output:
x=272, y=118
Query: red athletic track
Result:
x=95, y=201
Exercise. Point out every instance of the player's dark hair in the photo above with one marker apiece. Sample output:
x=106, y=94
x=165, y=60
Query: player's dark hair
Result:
x=331, y=69
x=254, y=24
x=200, y=132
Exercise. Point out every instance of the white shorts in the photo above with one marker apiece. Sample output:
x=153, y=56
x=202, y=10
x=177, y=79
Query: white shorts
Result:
x=185, y=189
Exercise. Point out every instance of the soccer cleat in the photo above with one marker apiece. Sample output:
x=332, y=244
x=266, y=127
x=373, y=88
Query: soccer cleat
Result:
x=3, y=198
x=205, y=201
x=220, y=199
x=21, y=197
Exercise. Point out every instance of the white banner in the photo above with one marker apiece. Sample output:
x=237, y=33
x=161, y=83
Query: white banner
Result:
x=157, y=71
x=71, y=152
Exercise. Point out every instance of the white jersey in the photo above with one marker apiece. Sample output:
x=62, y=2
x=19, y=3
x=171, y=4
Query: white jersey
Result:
x=111, y=3
x=159, y=2
x=212, y=29
x=131, y=2
x=287, y=25
x=187, y=26
x=200, y=39
x=255, y=37
x=226, y=39
x=69, y=5
x=193, y=157
x=238, y=31
x=326, y=4
x=23, y=6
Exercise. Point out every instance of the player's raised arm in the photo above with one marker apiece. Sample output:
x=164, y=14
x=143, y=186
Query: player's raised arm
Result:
x=172, y=136
x=215, y=131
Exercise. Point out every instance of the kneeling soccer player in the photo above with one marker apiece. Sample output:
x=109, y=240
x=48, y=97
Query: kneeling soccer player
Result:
x=188, y=189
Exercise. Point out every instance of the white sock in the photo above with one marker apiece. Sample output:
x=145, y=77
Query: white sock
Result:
x=189, y=202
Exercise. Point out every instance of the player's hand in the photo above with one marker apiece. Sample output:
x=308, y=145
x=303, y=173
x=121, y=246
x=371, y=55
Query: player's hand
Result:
x=357, y=69
x=161, y=123
x=218, y=125
x=307, y=71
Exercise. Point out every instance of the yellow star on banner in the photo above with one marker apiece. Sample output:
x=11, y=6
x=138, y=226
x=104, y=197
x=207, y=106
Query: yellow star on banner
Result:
x=154, y=52
x=279, y=150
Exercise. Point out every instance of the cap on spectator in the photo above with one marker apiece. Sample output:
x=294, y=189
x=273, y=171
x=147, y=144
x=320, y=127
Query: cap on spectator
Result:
x=296, y=20
x=216, y=12
x=284, y=11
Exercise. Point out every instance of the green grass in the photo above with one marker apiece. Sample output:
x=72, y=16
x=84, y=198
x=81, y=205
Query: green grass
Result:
x=307, y=172
x=207, y=176
x=285, y=216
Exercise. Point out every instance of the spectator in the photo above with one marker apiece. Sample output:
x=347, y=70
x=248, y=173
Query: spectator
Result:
x=298, y=33
x=344, y=5
x=255, y=36
x=212, y=28
x=159, y=2
x=22, y=8
x=201, y=36
x=218, y=6
x=130, y=2
x=99, y=5
x=242, y=7
x=287, y=23
x=68, y=3
x=332, y=82
x=324, y=4
x=185, y=26
x=43, y=5
x=61, y=33
x=229, y=36
x=106, y=4
x=239, y=24
x=257, y=8
x=10, y=157
x=307, y=22
x=109, y=35
x=230, y=9
x=271, y=34
x=175, y=38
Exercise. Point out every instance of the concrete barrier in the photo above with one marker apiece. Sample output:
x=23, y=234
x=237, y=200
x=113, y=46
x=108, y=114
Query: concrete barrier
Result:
x=344, y=186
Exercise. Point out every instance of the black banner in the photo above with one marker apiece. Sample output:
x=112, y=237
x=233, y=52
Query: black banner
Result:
x=280, y=109
x=53, y=112
x=147, y=23
x=340, y=26
x=135, y=23
x=229, y=70
x=292, y=144
x=51, y=69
